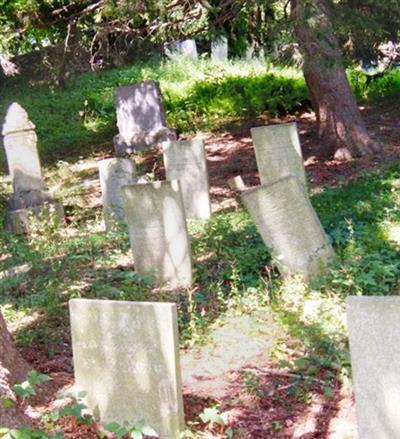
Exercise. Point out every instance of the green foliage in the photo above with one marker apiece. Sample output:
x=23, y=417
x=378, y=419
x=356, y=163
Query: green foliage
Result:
x=135, y=430
x=26, y=433
x=27, y=387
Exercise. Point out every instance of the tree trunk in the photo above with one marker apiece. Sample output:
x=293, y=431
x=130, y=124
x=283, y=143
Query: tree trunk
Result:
x=341, y=130
x=13, y=369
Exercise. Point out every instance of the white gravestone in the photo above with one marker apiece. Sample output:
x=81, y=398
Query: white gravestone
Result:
x=126, y=359
x=278, y=152
x=30, y=194
x=140, y=117
x=115, y=173
x=182, y=48
x=219, y=49
x=374, y=333
x=289, y=226
x=157, y=230
x=20, y=145
x=186, y=161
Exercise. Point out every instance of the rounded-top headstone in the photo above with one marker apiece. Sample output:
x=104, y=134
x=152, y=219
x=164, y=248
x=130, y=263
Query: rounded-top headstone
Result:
x=16, y=120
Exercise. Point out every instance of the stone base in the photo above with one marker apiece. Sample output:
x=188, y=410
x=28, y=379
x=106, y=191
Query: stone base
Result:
x=142, y=140
x=28, y=199
x=17, y=221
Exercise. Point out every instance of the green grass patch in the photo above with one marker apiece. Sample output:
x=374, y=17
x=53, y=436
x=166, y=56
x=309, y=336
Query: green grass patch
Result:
x=233, y=273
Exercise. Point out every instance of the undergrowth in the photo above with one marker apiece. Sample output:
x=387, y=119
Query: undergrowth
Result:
x=198, y=96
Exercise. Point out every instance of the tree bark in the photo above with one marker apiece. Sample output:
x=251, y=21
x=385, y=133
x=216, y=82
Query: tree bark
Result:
x=341, y=130
x=13, y=369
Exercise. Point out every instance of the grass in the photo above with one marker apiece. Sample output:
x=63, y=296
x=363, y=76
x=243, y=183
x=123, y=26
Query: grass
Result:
x=233, y=270
x=199, y=95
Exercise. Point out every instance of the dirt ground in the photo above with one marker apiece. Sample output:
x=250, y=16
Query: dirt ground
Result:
x=273, y=411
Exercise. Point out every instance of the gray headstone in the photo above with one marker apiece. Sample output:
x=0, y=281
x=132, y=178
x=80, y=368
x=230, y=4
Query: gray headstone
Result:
x=126, y=359
x=20, y=145
x=278, y=152
x=289, y=226
x=219, y=49
x=237, y=183
x=251, y=54
x=30, y=195
x=182, y=48
x=374, y=333
x=115, y=173
x=186, y=161
x=157, y=230
x=140, y=117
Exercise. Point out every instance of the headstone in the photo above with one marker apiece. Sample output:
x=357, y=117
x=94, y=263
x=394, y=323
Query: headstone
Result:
x=182, y=48
x=289, y=226
x=219, y=48
x=278, y=152
x=30, y=195
x=140, y=118
x=126, y=360
x=253, y=55
x=237, y=183
x=115, y=173
x=374, y=333
x=186, y=161
x=157, y=231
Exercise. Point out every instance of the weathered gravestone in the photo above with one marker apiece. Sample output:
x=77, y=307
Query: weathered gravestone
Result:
x=278, y=152
x=186, y=161
x=157, y=231
x=219, y=48
x=126, y=359
x=115, y=173
x=140, y=117
x=182, y=48
x=237, y=183
x=374, y=333
x=30, y=195
x=289, y=226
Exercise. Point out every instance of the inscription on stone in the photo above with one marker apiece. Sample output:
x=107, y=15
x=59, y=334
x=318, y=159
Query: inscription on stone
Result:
x=278, y=152
x=374, y=332
x=115, y=173
x=140, y=117
x=289, y=226
x=126, y=359
x=157, y=231
x=186, y=161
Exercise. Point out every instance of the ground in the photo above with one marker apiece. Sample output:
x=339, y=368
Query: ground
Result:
x=257, y=398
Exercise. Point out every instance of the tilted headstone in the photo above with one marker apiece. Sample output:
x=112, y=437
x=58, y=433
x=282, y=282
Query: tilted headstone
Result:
x=140, y=117
x=374, y=333
x=219, y=48
x=278, y=152
x=289, y=226
x=126, y=360
x=182, y=48
x=115, y=173
x=157, y=230
x=30, y=195
x=186, y=161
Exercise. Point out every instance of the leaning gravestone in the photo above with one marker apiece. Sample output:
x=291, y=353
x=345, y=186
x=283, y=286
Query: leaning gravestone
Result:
x=278, y=152
x=186, y=161
x=374, y=333
x=115, y=173
x=157, y=230
x=219, y=48
x=30, y=195
x=289, y=226
x=140, y=117
x=126, y=360
x=182, y=49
